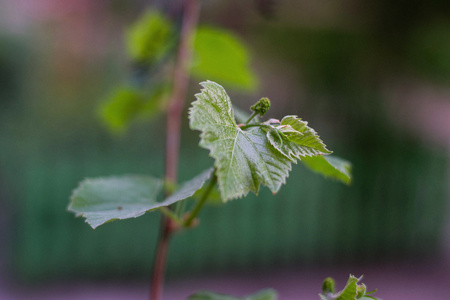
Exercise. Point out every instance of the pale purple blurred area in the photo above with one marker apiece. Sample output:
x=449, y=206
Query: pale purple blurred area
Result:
x=394, y=282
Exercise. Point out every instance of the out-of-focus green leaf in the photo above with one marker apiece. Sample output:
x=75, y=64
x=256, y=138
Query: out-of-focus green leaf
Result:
x=128, y=104
x=150, y=37
x=429, y=50
x=106, y=199
x=119, y=110
x=268, y=294
x=220, y=56
x=330, y=166
x=243, y=159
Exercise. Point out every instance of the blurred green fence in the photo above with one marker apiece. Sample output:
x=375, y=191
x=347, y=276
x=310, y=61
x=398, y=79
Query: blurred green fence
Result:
x=394, y=209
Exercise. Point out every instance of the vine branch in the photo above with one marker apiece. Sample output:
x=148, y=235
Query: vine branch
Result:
x=191, y=10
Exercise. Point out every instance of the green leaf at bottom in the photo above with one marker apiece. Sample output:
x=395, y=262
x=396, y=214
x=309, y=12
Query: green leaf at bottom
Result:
x=268, y=294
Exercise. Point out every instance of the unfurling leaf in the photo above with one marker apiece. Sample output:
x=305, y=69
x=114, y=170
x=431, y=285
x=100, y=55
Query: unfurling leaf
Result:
x=330, y=166
x=246, y=159
x=353, y=290
x=294, y=139
x=107, y=199
x=268, y=294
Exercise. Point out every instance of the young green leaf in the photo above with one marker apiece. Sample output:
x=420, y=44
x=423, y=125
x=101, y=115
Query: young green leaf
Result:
x=294, y=139
x=330, y=166
x=150, y=37
x=243, y=159
x=221, y=56
x=268, y=294
x=107, y=199
x=352, y=291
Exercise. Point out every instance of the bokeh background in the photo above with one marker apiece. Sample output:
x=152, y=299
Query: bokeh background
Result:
x=372, y=77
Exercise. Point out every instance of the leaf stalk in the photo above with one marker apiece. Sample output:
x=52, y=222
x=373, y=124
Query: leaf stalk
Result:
x=251, y=117
x=201, y=202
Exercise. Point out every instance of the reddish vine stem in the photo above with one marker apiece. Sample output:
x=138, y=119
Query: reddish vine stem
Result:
x=180, y=84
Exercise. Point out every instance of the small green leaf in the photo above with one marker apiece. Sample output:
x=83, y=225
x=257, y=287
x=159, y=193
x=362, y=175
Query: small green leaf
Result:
x=268, y=294
x=102, y=200
x=150, y=37
x=205, y=295
x=294, y=139
x=219, y=55
x=350, y=290
x=330, y=166
x=243, y=159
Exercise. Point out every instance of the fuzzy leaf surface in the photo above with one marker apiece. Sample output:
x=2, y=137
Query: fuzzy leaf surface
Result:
x=295, y=139
x=330, y=166
x=243, y=159
x=268, y=294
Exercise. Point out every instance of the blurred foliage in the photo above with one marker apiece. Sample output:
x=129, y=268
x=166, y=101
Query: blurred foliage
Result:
x=129, y=104
x=220, y=56
x=150, y=37
x=429, y=51
x=12, y=70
